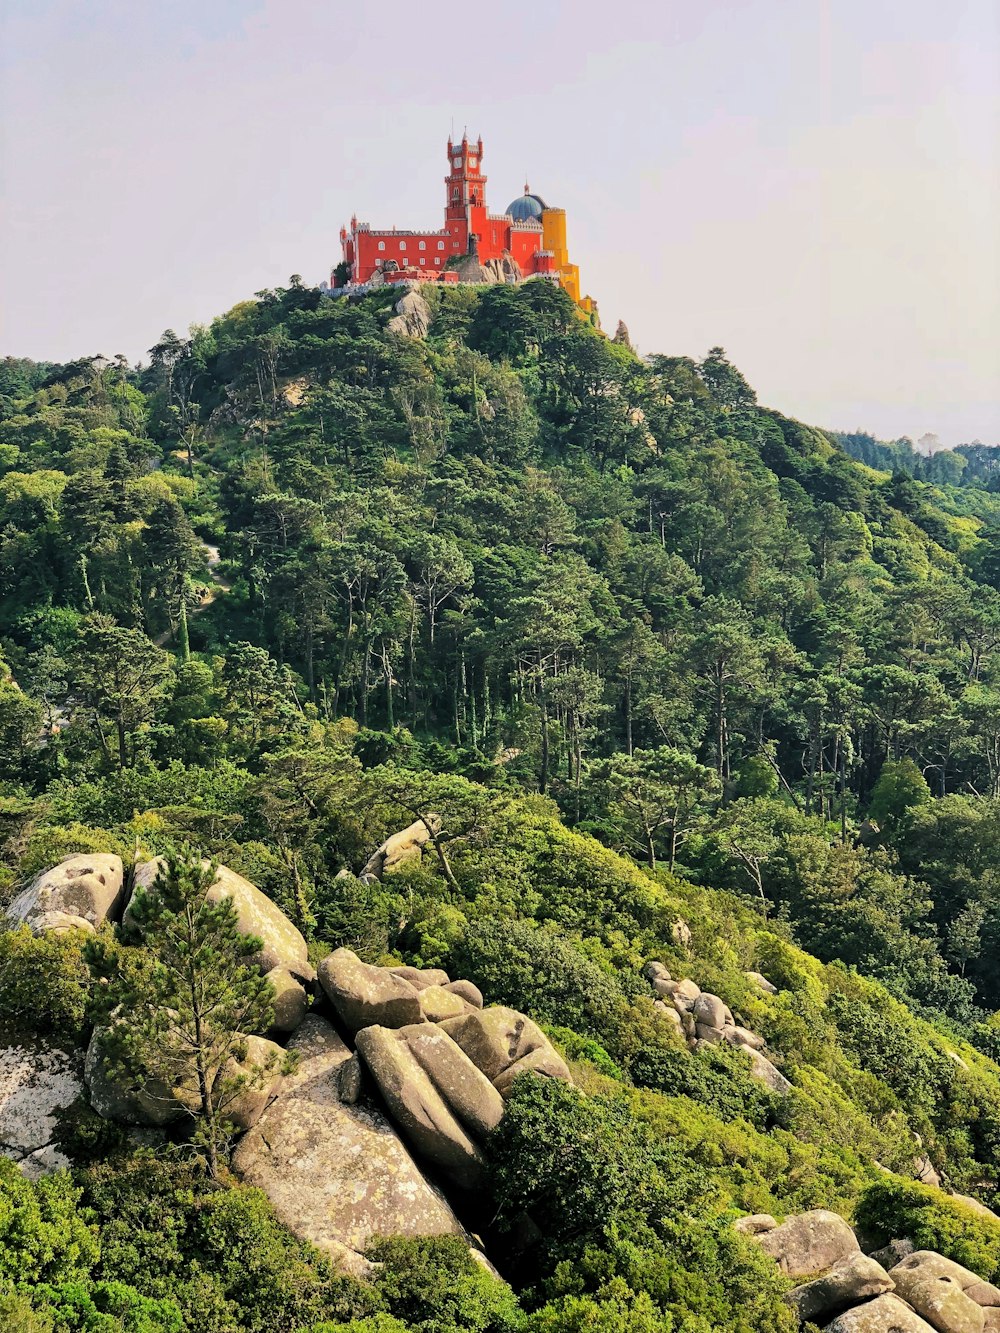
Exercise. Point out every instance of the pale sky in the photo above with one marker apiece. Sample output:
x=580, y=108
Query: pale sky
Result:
x=812, y=184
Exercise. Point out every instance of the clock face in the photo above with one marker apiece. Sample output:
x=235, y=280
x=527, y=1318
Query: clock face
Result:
x=472, y=163
x=456, y=162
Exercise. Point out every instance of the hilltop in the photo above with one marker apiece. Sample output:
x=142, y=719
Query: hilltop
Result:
x=691, y=718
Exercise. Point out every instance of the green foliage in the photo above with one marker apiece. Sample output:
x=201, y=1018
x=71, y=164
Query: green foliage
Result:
x=44, y=983
x=516, y=584
x=932, y=1221
x=433, y=1284
x=900, y=788
x=43, y=1237
x=189, y=1000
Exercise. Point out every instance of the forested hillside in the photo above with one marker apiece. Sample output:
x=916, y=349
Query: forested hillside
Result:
x=664, y=674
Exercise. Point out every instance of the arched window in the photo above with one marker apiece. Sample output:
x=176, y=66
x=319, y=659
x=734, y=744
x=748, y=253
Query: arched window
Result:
x=381, y=245
x=423, y=245
x=402, y=245
x=440, y=245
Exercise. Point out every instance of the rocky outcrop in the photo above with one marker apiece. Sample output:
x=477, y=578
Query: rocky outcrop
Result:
x=284, y=945
x=873, y=1294
x=405, y=846
x=78, y=894
x=504, y=1044
x=951, y=1298
x=756, y=1224
x=940, y=1300
x=849, y=1282
x=291, y=1003
x=36, y=1083
x=761, y=982
x=255, y=1073
x=809, y=1243
x=706, y=1020
x=337, y=1175
x=364, y=996
x=436, y=1096
x=885, y=1314
x=412, y=318
x=115, y=1096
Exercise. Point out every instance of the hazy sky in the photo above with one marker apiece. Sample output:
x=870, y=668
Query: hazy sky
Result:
x=813, y=184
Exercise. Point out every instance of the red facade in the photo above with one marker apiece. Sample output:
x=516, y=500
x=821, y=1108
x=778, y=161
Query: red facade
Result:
x=468, y=229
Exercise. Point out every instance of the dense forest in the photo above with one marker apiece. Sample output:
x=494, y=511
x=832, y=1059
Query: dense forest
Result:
x=649, y=653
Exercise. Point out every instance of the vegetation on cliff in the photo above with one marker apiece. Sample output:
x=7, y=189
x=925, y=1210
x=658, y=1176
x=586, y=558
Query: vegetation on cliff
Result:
x=651, y=652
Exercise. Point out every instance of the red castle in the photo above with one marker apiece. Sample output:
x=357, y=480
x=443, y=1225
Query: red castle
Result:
x=528, y=240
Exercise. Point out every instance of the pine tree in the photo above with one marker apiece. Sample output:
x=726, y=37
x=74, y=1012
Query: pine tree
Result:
x=180, y=1018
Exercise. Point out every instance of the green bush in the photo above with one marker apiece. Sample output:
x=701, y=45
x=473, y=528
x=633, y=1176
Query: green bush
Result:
x=894, y=1208
x=433, y=1284
x=43, y=1235
x=44, y=982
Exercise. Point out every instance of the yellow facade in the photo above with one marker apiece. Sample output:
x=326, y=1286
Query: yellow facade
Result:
x=554, y=239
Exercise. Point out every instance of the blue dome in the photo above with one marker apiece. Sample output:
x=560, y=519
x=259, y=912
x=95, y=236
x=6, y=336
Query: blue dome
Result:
x=528, y=208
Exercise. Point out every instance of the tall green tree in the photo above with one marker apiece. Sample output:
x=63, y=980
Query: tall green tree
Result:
x=192, y=1000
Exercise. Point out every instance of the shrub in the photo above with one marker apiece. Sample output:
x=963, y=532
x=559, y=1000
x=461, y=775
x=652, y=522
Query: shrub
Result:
x=893, y=1208
x=433, y=1283
x=43, y=1237
x=44, y=982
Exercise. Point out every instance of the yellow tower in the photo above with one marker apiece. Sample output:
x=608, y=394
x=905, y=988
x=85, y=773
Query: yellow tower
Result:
x=554, y=239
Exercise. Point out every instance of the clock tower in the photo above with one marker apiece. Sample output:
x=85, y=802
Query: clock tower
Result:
x=465, y=202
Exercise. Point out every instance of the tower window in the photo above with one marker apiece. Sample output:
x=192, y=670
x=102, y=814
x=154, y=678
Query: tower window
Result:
x=440, y=245
x=402, y=245
x=437, y=259
x=381, y=245
x=423, y=245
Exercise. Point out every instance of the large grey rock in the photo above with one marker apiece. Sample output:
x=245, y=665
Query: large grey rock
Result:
x=931, y=1264
x=469, y=1093
x=422, y=977
x=848, y=1282
x=437, y=1004
x=77, y=894
x=977, y=1206
x=337, y=1176
x=284, y=945
x=763, y=1070
x=412, y=318
x=885, y=1314
x=291, y=1003
x=665, y=988
x=467, y=991
x=654, y=970
x=254, y=1075
x=761, y=982
x=417, y=1107
x=890, y=1255
x=504, y=1044
x=686, y=993
x=116, y=1096
x=405, y=846
x=364, y=996
x=924, y=1170
x=809, y=1243
x=710, y=1011
x=938, y=1297
x=740, y=1036
x=36, y=1083
x=755, y=1224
